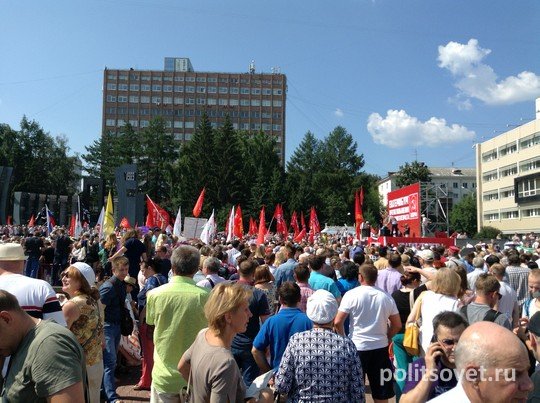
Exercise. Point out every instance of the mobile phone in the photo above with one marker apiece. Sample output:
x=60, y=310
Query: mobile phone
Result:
x=438, y=358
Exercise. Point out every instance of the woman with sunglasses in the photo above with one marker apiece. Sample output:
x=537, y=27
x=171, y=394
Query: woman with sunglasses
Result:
x=85, y=320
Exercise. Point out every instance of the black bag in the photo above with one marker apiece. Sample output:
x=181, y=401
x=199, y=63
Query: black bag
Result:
x=126, y=323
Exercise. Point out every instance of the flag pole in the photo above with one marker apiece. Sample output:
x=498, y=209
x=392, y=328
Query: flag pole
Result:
x=155, y=208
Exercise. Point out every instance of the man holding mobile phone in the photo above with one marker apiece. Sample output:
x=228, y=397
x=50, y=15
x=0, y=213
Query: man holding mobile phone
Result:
x=434, y=374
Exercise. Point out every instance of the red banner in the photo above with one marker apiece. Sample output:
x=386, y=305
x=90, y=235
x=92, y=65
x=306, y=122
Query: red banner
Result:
x=198, y=206
x=404, y=206
x=157, y=216
x=238, y=223
x=262, y=228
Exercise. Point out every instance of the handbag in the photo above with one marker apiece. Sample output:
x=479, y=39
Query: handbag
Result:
x=412, y=333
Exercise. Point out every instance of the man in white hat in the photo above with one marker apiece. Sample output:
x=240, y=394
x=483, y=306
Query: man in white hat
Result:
x=36, y=297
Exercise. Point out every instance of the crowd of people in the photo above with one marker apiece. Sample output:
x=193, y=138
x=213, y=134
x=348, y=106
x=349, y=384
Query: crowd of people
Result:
x=237, y=321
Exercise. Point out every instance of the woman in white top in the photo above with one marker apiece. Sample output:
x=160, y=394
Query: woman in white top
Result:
x=443, y=296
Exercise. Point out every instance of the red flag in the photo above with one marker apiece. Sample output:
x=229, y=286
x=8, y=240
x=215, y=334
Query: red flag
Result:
x=358, y=216
x=198, y=206
x=238, y=224
x=281, y=227
x=32, y=221
x=158, y=216
x=314, y=222
x=125, y=223
x=300, y=236
x=149, y=221
x=294, y=224
x=72, y=225
x=262, y=228
x=252, y=227
x=8, y=220
x=302, y=221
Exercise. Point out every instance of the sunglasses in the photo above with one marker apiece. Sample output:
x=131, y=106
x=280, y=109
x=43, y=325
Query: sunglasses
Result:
x=448, y=342
x=64, y=274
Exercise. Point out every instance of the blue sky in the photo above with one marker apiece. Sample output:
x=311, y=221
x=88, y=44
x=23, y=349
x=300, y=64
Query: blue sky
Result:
x=403, y=77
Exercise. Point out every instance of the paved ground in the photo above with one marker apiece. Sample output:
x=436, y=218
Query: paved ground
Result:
x=131, y=377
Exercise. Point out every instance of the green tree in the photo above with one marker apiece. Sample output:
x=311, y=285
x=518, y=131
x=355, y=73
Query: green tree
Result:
x=463, y=215
x=487, y=232
x=159, y=152
x=412, y=173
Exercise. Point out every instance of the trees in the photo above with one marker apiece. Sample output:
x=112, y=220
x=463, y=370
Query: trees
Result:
x=412, y=173
x=463, y=215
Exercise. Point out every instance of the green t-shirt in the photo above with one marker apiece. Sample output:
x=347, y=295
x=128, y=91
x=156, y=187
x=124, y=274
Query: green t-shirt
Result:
x=48, y=360
x=176, y=309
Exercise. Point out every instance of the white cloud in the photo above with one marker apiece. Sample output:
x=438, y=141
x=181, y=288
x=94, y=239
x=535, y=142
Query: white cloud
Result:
x=398, y=129
x=339, y=113
x=475, y=79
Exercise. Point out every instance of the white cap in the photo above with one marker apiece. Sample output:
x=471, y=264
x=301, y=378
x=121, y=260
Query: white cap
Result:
x=322, y=307
x=86, y=271
x=426, y=254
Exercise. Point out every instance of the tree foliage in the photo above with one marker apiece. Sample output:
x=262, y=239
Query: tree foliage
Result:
x=463, y=215
x=487, y=232
x=412, y=173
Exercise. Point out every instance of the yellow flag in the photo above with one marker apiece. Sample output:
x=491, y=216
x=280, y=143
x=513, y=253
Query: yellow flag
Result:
x=108, y=221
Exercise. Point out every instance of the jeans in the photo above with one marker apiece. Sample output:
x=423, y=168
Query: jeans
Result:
x=32, y=267
x=246, y=363
x=112, y=340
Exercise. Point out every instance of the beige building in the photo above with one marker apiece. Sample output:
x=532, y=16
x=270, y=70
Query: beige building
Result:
x=508, y=177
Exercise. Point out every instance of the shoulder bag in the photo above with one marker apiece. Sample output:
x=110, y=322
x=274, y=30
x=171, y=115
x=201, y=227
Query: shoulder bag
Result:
x=412, y=333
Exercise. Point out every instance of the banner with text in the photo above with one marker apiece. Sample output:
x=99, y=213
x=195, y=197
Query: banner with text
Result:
x=404, y=206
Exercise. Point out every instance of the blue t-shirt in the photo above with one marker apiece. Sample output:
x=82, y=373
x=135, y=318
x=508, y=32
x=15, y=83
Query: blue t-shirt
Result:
x=319, y=281
x=277, y=331
x=258, y=305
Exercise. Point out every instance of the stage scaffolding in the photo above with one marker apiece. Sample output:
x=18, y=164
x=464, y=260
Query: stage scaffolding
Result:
x=436, y=202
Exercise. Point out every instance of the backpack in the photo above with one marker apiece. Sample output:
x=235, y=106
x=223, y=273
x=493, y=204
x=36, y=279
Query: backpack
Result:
x=490, y=316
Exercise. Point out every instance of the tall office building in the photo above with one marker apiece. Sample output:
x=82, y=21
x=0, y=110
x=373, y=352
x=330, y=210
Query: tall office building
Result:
x=508, y=176
x=254, y=101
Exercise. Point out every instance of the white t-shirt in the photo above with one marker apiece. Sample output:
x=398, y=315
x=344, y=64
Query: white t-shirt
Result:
x=369, y=309
x=509, y=298
x=432, y=305
x=35, y=296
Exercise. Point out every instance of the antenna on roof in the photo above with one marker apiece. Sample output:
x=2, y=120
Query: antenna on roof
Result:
x=252, y=67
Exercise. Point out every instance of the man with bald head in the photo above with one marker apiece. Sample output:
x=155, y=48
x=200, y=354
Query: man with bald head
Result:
x=487, y=372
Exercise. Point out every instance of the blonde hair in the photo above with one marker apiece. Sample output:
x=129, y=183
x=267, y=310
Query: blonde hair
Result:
x=224, y=298
x=447, y=282
x=281, y=257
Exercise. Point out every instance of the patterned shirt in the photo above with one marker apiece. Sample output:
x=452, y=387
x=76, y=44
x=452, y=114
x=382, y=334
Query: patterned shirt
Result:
x=88, y=328
x=320, y=366
x=305, y=293
x=518, y=278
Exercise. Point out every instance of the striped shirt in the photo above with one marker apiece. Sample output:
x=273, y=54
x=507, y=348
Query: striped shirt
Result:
x=518, y=278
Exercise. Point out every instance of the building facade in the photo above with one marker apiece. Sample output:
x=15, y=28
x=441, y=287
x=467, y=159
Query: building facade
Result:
x=254, y=101
x=508, y=175
x=453, y=183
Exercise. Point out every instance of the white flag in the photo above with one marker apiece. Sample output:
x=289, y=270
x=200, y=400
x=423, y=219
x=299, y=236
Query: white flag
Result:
x=209, y=230
x=177, y=230
x=99, y=224
x=230, y=227
x=78, y=226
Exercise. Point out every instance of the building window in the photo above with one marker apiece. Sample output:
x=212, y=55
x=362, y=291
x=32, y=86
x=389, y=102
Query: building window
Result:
x=178, y=101
x=145, y=123
x=266, y=126
x=111, y=76
x=145, y=111
x=530, y=141
x=145, y=78
x=529, y=187
x=508, y=215
x=168, y=124
x=134, y=87
x=455, y=185
x=489, y=156
x=244, y=90
x=234, y=90
x=111, y=86
x=190, y=89
x=244, y=126
x=167, y=88
x=190, y=79
x=490, y=196
x=223, y=90
x=167, y=100
x=212, y=101
x=178, y=124
x=255, y=91
x=266, y=91
x=189, y=125
x=276, y=115
x=530, y=165
x=111, y=98
x=278, y=92
x=276, y=127
x=110, y=122
x=134, y=122
x=507, y=192
x=201, y=101
x=491, y=216
x=178, y=88
x=212, y=90
x=145, y=87
x=266, y=102
x=201, y=90
x=465, y=185
x=167, y=78
x=508, y=170
x=201, y=79
x=156, y=100
x=507, y=149
x=110, y=110
x=490, y=176
x=222, y=101
x=233, y=102
x=145, y=100
x=122, y=98
x=122, y=110
x=121, y=123
x=244, y=102
x=156, y=78
x=156, y=87
x=212, y=79
x=190, y=101
x=179, y=78
x=532, y=212
x=122, y=87
x=187, y=136
x=133, y=99
x=277, y=103
x=255, y=102
x=123, y=77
